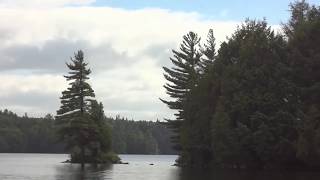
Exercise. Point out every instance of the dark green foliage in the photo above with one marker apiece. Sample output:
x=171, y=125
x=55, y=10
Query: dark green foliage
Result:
x=27, y=135
x=140, y=137
x=303, y=31
x=104, y=132
x=37, y=135
x=257, y=97
x=209, y=52
x=182, y=78
x=80, y=121
x=256, y=103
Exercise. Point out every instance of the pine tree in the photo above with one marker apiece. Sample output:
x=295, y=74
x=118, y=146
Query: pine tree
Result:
x=209, y=52
x=101, y=143
x=181, y=79
x=73, y=121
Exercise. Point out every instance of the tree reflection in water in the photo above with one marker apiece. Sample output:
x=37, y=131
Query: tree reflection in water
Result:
x=192, y=174
x=88, y=172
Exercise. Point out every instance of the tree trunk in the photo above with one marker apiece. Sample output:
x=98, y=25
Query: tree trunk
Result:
x=82, y=156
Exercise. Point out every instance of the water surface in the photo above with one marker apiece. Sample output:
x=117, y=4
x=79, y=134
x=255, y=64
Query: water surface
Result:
x=49, y=167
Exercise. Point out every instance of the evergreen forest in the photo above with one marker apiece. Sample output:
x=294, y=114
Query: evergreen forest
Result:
x=250, y=102
x=37, y=135
x=254, y=103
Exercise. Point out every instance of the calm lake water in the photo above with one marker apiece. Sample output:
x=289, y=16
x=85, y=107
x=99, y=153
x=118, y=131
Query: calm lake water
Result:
x=49, y=167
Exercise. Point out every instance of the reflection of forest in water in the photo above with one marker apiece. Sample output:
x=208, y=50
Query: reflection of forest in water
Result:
x=49, y=167
x=76, y=172
x=101, y=172
x=247, y=175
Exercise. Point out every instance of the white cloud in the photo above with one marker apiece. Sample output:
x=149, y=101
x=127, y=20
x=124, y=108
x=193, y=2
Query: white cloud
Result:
x=22, y=83
x=123, y=28
x=35, y=94
x=125, y=48
x=42, y=3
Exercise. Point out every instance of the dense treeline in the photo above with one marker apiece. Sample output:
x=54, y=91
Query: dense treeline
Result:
x=37, y=135
x=140, y=137
x=253, y=104
x=28, y=135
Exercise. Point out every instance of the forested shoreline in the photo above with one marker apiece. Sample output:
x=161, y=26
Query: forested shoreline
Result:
x=255, y=102
x=23, y=134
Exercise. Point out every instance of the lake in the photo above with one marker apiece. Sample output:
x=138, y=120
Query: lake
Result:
x=49, y=167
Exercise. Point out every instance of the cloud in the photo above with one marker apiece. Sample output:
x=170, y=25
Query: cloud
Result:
x=53, y=54
x=43, y=3
x=126, y=50
x=24, y=103
x=20, y=82
x=36, y=95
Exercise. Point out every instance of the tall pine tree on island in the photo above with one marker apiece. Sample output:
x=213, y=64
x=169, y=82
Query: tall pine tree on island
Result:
x=79, y=121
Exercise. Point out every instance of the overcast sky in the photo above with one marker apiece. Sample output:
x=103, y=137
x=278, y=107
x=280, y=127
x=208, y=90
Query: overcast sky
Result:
x=126, y=42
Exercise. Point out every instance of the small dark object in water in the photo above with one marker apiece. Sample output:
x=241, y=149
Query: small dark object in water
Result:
x=151, y=164
x=123, y=162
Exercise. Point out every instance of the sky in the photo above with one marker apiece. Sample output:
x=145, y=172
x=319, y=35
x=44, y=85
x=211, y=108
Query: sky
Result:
x=126, y=42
